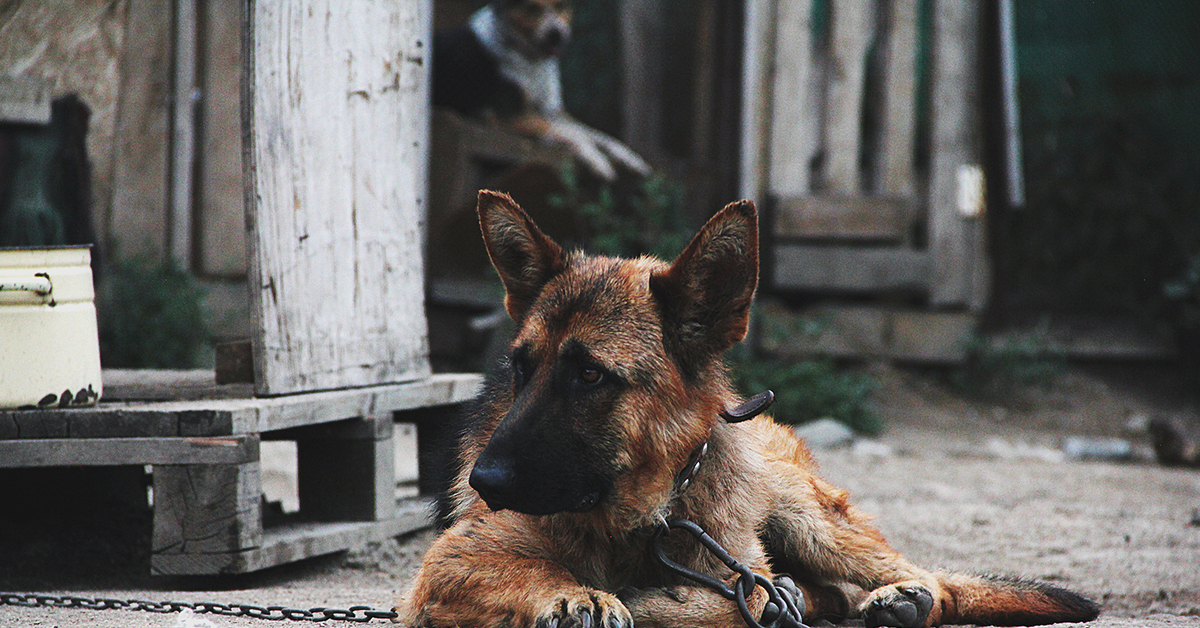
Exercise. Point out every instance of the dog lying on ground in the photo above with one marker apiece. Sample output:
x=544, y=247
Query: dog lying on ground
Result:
x=573, y=458
x=503, y=64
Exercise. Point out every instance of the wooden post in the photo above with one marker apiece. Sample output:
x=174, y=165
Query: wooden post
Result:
x=207, y=508
x=899, y=97
x=141, y=151
x=797, y=99
x=641, y=62
x=337, y=122
x=221, y=224
x=956, y=240
x=346, y=471
x=853, y=28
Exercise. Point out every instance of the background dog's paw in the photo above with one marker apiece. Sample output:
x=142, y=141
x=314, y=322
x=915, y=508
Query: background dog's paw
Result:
x=902, y=605
x=586, y=609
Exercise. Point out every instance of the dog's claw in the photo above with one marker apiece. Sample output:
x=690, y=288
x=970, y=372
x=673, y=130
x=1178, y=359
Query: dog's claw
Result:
x=901, y=606
x=588, y=610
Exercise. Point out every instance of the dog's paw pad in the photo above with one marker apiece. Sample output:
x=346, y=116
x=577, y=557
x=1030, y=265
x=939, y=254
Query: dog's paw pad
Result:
x=592, y=610
x=903, y=605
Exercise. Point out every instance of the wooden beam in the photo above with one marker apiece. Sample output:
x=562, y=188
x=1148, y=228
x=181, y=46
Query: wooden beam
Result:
x=348, y=479
x=849, y=269
x=848, y=218
x=296, y=541
x=220, y=190
x=65, y=452
x=218, y=417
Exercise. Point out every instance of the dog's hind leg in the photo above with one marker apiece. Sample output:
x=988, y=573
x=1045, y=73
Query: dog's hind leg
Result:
x=814, y=534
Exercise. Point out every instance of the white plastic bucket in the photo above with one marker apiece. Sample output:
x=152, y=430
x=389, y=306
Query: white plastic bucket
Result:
x=49, y=348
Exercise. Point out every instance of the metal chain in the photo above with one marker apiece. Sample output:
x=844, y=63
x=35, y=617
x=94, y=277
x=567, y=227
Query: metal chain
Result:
x=273, y=613
x=782, y=609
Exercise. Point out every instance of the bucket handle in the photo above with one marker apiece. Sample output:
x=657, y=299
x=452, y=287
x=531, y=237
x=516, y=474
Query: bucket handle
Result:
x=39, y=284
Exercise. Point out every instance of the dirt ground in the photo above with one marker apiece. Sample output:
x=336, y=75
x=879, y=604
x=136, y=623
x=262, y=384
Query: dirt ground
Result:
x=957, y=483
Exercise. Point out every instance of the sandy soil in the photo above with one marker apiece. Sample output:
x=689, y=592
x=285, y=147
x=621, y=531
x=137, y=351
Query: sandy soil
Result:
x=963, y=484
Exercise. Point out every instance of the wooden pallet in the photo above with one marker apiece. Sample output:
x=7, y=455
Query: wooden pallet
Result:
x=204, y=455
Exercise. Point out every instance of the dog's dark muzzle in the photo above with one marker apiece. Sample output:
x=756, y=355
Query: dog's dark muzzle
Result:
x=523, y=477
x=502, y=487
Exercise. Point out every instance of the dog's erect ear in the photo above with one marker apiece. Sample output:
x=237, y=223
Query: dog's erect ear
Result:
x=523, y=256
x=705, y=296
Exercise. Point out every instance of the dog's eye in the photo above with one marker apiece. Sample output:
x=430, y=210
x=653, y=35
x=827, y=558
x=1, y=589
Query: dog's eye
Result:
x=590, y=376
x=520, y=369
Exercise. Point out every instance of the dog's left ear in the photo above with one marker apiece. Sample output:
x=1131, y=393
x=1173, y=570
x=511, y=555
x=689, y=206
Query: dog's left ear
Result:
x=705, y=296
x=524, y=257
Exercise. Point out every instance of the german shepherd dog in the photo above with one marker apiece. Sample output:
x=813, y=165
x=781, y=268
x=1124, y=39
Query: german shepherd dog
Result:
x=612, y=385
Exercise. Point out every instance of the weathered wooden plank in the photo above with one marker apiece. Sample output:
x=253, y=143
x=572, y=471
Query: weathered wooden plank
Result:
x=878, y=331
x=220, y=191
x=137, y=223
x=61, y=452
x=321, y=407
x=292, y=542
x=40, y=424
x=338, y=118
x=207, y=509
x=118, y=423
x=856, y=218
x=217, y=417
x=899, y=94
x=846, y=268
x=853, y=28
x=956, y=241
x=797, y=100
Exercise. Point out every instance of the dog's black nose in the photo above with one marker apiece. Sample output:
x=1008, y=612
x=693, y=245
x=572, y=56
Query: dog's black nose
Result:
x=494, y=483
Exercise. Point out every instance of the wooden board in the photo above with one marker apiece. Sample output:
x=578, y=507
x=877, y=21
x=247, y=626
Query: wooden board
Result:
x=848, y=218
x=337, y=117
x=872, y=331
x=220, y=417
x=65, y=452
x=297, y=541
x=849, y=269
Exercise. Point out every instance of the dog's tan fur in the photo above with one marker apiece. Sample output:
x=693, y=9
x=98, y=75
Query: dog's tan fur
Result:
x=659, y=329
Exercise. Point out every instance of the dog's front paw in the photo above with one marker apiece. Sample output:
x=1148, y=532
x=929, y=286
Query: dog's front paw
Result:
x=585, y=609
x=902, y=605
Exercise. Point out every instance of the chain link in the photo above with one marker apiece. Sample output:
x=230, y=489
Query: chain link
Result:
x=782, y=610
x=359, y=614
